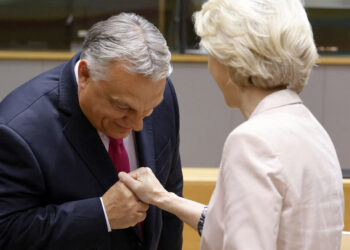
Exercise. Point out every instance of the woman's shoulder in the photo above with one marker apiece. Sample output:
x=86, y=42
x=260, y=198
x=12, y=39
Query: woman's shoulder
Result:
x=273, y=132
x=260, y=126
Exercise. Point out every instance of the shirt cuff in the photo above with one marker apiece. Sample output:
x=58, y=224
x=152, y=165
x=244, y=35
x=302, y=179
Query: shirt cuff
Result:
x=104, y=211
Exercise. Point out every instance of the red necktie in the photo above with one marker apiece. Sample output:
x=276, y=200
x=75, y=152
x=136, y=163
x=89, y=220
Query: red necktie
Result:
x=120, y=159
x=118, y=155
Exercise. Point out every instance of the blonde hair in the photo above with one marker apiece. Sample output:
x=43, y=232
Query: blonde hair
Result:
x=265, y=43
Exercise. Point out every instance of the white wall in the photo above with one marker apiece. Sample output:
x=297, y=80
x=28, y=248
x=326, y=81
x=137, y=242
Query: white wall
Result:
x=205, y=119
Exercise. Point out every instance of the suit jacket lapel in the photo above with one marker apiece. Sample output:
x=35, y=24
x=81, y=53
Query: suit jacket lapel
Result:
x=145, y=145
x=79, y=131
x=86, y=141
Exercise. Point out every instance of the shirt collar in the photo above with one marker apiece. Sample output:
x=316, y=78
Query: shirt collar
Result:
x=76, y=71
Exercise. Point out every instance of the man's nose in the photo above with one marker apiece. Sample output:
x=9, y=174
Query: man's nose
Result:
x=137, y=122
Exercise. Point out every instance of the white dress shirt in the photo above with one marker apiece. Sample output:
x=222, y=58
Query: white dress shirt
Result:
x=129, y=145
x=279, y=185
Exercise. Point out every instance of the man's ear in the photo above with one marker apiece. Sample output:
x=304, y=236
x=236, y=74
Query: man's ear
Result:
x=83, y=74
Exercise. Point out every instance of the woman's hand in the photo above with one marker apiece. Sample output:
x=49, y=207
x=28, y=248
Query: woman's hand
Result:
x=148, y=189
x=145, y=185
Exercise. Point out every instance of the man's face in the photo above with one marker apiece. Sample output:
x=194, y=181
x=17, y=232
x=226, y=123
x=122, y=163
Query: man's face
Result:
x=118, y=105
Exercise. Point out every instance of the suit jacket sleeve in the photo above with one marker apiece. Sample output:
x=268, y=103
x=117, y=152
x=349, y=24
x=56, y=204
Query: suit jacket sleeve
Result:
x=171, y=235
x=26, y=221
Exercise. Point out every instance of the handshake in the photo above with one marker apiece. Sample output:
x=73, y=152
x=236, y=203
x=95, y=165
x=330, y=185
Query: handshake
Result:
x=128, y=200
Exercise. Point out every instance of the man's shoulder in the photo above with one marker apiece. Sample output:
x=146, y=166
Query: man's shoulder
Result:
x=169, y=105
x=35, y=93
x=170, y=98
x=169, y=88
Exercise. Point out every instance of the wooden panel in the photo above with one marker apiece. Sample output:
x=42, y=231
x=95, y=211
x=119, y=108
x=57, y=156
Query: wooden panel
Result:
x=346, y=186
x=199, y=183
x=161, y=14
x=345, y=244
x=52, y=55
x=32, y=55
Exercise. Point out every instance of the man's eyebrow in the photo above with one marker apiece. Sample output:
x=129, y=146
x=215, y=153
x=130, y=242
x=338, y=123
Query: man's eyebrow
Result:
x=119, y=102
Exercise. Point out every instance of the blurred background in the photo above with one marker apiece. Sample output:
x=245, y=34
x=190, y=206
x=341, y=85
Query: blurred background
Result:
x=59, y=27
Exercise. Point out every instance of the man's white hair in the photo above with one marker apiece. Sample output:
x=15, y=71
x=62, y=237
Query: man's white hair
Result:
x=130, y=39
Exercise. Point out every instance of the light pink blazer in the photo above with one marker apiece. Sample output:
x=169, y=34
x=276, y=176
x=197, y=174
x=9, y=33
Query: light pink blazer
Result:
x=279, y=185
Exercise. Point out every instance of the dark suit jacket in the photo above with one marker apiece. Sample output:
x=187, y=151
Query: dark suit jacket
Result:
x=54, y=168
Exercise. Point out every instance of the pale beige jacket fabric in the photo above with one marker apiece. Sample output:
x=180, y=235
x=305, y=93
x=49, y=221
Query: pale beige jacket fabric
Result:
x=279, y=185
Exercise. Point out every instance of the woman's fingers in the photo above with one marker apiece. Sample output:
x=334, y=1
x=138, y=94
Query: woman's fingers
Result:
x=131, y=182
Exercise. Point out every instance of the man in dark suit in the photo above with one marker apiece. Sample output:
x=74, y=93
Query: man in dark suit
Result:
x=59, y=187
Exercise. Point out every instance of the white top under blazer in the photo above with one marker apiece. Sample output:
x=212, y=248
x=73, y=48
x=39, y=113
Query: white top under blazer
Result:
x=279, y=185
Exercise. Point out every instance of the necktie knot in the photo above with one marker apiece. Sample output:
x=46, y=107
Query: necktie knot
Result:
x=118, y=155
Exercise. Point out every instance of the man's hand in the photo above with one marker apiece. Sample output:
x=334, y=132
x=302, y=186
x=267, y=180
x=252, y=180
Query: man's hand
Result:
x=123, y=208
x=145, y=185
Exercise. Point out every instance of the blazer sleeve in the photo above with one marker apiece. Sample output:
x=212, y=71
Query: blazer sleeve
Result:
x=253, y=190
x=172, y=227
x=26, y=220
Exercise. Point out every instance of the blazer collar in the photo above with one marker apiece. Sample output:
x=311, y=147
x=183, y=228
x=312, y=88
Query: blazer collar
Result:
x=67, y=87
x=275, y=100
x=145, y=145
x=87, y=143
